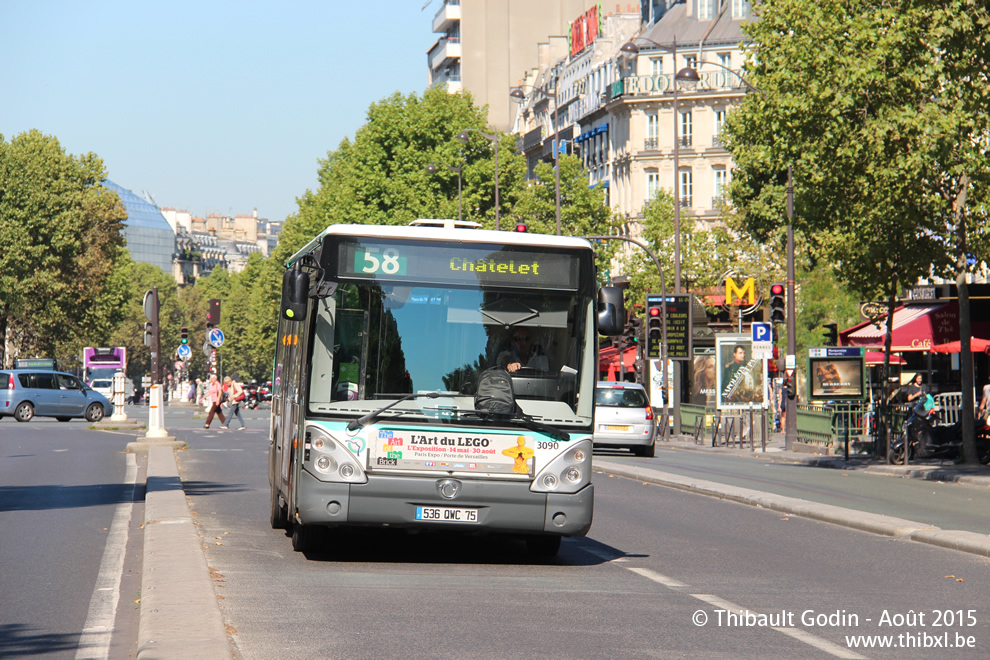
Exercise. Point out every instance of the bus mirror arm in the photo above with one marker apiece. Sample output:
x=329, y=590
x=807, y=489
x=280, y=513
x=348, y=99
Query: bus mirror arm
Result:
x=363, y=421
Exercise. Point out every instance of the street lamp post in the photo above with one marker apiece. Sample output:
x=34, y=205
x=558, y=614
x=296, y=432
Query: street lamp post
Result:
x=686, y=74
x=518, y=95
x=432, y=169
x=463, y=137
x=790, y=427
x=663, y=320
x=689, y=75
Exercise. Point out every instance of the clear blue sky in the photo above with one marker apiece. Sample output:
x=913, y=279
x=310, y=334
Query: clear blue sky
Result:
x=210, y=106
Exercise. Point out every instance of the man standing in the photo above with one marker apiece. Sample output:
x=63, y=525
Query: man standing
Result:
x=215, y=395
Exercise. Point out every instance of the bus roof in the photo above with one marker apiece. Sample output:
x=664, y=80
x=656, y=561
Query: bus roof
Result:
x=444, y=235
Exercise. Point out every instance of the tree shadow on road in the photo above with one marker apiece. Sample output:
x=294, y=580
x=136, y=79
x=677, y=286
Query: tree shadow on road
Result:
x=19, y=639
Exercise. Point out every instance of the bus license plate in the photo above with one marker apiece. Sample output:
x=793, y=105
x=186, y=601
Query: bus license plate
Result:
x=446, y=514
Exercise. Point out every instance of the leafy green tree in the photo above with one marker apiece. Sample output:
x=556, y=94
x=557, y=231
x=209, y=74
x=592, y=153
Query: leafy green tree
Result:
x=130, y=332
x=61, y=233
x=879, y=107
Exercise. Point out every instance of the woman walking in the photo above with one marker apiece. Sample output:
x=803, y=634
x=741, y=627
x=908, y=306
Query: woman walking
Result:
x=214, y=394
x=235, y=395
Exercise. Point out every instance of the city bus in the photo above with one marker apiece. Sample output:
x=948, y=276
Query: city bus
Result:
x=103, y=363
x=394, y=404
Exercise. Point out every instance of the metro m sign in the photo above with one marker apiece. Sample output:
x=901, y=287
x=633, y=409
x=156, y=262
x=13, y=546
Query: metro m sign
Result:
x=736, y=296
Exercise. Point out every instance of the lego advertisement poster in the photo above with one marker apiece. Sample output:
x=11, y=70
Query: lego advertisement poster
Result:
x=741, y=377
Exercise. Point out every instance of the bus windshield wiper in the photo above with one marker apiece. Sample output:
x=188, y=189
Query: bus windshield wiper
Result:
x=363, y=421
x=525, y=420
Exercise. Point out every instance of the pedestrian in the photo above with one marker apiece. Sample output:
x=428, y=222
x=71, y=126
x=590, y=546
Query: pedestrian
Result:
x=984, y=409
x=235, y=395
x=915, y=389
x=214, y=394
x=191, y=396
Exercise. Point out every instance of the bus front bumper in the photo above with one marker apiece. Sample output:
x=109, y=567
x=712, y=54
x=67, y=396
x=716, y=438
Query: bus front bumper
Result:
x=502, y=507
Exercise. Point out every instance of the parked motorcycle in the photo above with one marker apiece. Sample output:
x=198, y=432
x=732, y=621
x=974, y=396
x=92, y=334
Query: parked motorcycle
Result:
x=927, y=439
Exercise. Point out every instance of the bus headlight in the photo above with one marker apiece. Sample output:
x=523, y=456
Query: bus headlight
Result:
x=330, y=460
x=568, y=472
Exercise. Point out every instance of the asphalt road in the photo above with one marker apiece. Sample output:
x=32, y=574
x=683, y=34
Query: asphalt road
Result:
x=70, y=517
x=654, y=559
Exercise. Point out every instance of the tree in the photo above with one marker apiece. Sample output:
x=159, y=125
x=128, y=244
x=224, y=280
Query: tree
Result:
x=879, y=107
x=61, y=233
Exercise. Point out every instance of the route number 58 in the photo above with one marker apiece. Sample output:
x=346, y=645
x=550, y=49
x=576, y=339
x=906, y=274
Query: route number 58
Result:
x=389, y=263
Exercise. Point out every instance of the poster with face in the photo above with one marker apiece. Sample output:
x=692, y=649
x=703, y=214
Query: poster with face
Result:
x=705, y=380
x=741, y=377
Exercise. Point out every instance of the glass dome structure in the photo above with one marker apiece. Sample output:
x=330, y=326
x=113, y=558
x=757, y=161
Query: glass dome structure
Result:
x=150, y=238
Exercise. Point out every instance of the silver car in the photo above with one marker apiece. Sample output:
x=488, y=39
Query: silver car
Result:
x=27, y=393
x=624, y=418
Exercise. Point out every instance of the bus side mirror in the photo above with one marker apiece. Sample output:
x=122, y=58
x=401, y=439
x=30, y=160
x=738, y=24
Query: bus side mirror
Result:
x=611, y=311
x=295, y=294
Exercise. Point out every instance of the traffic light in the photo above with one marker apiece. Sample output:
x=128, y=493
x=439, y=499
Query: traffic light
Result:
x=521, y=227
x=831, y=335
x=789, y=384
x=149, y=333
x=184, y=335
x=778, y=305
x=213, y=313
x=636, y=324
x=654, y=329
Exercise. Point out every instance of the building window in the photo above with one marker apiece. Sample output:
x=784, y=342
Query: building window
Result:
x=740, y=8
x=687, y=187
x=686, y=124
x=652, y=131
x=691, y=61
x=719, y=123
x=652, y=184
x=724, y=78
x=656, y=66
x=721, y=185
x=706, y=10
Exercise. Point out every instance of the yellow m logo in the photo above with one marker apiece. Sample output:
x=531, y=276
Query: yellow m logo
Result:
x=749, y=286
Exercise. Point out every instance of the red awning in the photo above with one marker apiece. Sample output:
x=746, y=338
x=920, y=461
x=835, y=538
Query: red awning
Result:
x=608, y=358
x=915, y=328
x=876, y=357
x=976, y=345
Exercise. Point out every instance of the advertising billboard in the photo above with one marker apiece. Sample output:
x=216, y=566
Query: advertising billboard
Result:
x=836, y=374
x=741, y=377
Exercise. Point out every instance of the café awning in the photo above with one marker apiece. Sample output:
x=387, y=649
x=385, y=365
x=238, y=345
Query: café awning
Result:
x=915, y=328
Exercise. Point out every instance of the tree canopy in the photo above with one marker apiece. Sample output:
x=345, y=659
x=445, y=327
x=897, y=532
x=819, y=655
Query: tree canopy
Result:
x=61, y=232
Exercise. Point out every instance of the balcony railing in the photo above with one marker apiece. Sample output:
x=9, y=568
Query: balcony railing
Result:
x=718, y=200
x=685, y=201
x=717, y=140
x=651, y=144
x=685, y=140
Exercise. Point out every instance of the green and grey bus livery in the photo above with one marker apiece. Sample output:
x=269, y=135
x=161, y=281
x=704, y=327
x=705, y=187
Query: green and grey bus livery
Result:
x=396, y=402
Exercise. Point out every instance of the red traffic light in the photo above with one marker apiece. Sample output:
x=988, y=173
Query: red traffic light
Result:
x=654, y=311
x=777, y=289
x=521, y=227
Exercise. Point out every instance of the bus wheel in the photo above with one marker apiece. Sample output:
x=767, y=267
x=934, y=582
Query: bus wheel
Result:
x=302, y=537
x=279, y=517
x=543, y=546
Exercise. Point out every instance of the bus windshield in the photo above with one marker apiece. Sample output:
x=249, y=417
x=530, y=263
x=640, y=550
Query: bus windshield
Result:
x=376, y=341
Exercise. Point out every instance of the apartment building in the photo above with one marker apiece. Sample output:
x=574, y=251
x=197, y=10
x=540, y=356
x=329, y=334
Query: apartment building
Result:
x=616, y=110
x=484, y=46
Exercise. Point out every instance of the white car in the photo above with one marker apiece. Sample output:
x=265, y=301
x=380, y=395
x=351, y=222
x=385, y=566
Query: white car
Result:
x=104, y=386
x=624, y=418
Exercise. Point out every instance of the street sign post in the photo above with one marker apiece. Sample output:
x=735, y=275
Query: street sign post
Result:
x=216, y=337
x=762, y=340
x=185, y=352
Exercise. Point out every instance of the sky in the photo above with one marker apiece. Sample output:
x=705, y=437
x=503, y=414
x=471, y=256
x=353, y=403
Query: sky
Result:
x=209, y=106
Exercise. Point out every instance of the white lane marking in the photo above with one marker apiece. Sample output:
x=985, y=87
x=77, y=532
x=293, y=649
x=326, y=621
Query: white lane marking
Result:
x=797, y=633
x=94, y=642
x=656, y=577
x=819, y=643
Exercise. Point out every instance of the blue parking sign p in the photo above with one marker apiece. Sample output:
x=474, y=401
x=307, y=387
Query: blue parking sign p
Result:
x=762, y=332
